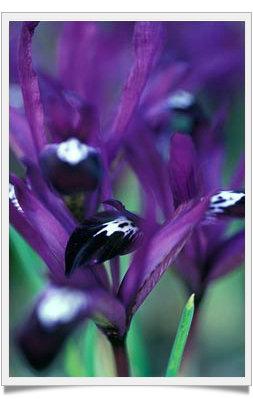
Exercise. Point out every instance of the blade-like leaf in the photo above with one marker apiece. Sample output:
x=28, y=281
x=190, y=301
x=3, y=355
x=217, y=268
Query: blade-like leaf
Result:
x=89, y=345
x=26, y=262
x=181, y=338
x=137, y=351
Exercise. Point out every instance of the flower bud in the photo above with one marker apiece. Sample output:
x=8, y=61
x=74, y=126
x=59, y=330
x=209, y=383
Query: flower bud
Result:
x=71, y=166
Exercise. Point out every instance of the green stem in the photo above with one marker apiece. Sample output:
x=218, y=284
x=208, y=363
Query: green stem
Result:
x=121, y=357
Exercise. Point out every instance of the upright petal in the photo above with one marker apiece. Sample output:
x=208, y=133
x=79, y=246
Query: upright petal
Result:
x=15, y=28
x=183, y=169
x=21, y=139
x=148, y=41
x=76, y=51
x=30, y=87
x=102, y=46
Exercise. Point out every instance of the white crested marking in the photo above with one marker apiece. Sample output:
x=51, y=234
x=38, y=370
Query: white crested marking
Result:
x=181, y=99
x=13, y=198
x=114, y=226
x=73, y=151
x=224, y=199
x=60, y=305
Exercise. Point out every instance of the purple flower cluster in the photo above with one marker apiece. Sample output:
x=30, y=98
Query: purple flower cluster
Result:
x=115, y=101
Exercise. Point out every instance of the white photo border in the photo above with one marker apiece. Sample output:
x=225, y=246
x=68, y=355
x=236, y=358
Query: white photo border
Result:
x=156, y=16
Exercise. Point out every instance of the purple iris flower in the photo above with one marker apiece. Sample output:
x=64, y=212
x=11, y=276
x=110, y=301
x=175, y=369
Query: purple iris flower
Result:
x=75, y=139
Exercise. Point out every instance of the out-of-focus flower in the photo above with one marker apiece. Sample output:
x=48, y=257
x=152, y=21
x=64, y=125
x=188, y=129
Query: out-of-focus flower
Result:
x=197, y=262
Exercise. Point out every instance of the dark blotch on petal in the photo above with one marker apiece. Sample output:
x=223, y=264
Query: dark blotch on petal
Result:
x=71, y=167
x=99, y=239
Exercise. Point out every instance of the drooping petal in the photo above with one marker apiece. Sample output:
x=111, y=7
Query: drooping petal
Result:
x=228, y=203
x=148, y=42
x=229, y=255
x=161, y=250
x=57, y=312
x=102, y=237
x=71, y=166
x=30, y=87
x=183, y=169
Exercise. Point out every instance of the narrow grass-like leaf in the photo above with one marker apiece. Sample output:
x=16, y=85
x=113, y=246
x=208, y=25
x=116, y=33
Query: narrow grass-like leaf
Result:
x=138, y=357
x=181, y=338
x=89, y=346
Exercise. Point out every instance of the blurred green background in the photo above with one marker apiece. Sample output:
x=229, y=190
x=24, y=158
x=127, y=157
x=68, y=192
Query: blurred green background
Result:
x=219, y=349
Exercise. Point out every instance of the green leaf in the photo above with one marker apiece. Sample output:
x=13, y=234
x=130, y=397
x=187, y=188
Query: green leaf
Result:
x=26, y=281
x=25, y=263
x=73, y=359
x=138, y=357
x=89, y=345
x=181, y=338
x=26, y=275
